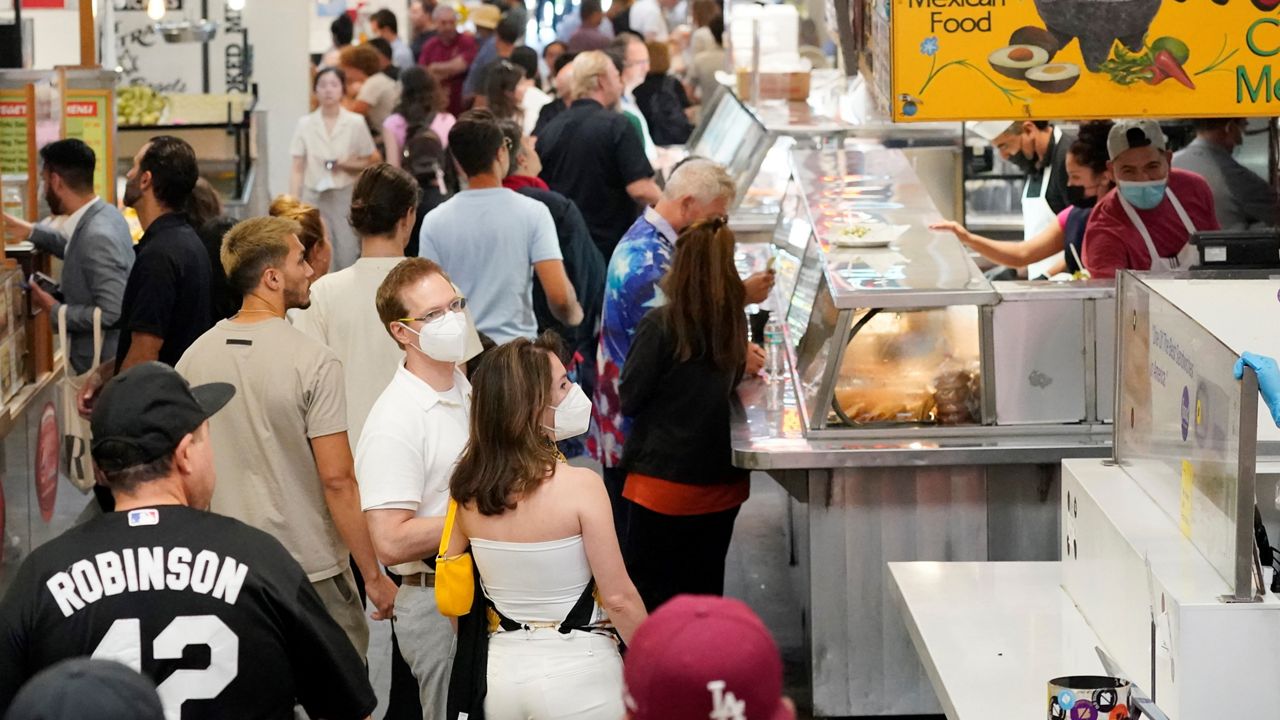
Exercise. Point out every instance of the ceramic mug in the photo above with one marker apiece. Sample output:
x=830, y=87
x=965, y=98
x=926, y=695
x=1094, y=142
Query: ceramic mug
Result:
x=1089, y=697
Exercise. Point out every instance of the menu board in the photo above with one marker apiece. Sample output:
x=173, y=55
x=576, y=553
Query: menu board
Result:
x=732, y=137
x=813, y=352
x=88, y=115
x=15, y=119
x=790, y=237
x=1083, y=59
x=806, y=289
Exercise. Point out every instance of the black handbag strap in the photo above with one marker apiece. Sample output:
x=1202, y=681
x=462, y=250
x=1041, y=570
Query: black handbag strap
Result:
x=579, y=618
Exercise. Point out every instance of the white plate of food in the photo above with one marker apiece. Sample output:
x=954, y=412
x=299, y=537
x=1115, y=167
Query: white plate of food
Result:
x=868, y=236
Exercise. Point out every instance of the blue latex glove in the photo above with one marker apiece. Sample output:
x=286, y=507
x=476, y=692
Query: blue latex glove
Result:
x=1268, y=380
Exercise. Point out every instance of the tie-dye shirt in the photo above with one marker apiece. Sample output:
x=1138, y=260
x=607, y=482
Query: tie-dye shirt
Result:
x=631, y=289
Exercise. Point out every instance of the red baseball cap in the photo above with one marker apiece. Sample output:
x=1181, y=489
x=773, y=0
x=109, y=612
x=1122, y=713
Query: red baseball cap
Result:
x=699, y=657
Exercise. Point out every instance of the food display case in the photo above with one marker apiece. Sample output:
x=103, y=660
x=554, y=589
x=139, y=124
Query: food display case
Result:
x=752, y=144
x=925, y=411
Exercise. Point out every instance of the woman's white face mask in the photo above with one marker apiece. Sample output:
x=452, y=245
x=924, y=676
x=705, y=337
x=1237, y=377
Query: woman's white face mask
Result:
x=572, y=415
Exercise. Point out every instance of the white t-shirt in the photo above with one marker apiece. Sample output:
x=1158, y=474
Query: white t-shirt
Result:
x=411, y=441
x=488, y=241
x=344, y=316
x=531, y=105
x=648, y=20
x=350, y=137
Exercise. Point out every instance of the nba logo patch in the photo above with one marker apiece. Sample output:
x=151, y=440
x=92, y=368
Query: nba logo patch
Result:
x=149, y=516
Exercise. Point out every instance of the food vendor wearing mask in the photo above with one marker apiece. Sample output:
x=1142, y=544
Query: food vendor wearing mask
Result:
x=1039, y=150
x=1087, y=181
x=1147, y=223
x=1241, y=198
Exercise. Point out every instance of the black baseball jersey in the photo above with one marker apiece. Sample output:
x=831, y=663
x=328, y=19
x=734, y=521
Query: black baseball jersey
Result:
x=217, y=613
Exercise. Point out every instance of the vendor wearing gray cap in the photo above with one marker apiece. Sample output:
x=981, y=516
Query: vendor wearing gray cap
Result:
x=217, y=613
x=1146, y=223
x=1038, y=149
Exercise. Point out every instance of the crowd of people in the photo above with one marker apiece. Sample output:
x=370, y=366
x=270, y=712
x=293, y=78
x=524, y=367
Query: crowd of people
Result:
x=473, y=277
x=292, y=402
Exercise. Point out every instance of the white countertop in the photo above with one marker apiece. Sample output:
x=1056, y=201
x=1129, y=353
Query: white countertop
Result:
x=991, y=635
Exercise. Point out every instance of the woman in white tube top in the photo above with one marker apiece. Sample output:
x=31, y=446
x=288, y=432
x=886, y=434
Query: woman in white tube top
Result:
x=540, y=530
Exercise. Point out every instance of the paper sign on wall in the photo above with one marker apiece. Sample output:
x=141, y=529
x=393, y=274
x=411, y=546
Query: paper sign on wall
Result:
x=1081, y=59
x=14, y=121
x=88, y=117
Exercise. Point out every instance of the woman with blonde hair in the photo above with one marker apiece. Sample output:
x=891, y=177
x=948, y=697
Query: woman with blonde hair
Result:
x=541, y=532
x=317, y=249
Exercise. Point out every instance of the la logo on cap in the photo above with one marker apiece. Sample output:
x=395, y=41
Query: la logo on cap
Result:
x=725, y=706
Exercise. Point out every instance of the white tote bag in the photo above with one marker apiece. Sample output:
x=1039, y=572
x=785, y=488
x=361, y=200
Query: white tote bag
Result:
x=77, y=461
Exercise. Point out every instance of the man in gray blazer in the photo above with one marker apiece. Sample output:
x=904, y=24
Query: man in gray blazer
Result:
x=94, y=244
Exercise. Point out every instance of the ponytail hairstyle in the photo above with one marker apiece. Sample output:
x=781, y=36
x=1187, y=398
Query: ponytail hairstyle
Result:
x=705, y=297
x=382, y=197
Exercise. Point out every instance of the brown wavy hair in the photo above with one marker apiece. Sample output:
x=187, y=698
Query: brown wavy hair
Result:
x=509, y=454
x=705, y=297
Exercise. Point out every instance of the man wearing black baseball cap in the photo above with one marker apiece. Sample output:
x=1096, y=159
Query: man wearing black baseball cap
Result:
x=160, y=574
x=149, y=423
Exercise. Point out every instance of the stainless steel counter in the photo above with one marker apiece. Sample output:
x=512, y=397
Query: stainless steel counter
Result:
x=768, y=434
x=885, y=486
x=867, y=184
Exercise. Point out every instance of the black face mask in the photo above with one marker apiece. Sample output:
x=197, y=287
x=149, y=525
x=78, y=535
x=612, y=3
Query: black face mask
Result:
x=1075, y=195
x=1025, y=164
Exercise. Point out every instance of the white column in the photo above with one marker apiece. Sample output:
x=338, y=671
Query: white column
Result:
x=278, y=32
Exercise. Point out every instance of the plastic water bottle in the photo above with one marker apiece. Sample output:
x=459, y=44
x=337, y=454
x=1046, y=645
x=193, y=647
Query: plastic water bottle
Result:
x=775, y=363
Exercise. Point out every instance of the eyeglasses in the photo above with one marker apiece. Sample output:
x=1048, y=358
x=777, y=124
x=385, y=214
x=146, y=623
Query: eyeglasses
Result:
x=508, y=143
x=458, y=304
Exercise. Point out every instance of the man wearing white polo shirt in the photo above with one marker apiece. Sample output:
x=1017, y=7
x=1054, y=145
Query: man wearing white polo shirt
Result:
x=411, y=440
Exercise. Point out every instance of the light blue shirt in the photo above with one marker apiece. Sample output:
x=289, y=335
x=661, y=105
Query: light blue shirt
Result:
x=488, y=242
x=401, y=56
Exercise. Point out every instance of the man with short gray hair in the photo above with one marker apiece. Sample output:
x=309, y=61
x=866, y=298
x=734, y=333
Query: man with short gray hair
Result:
x=698, y=189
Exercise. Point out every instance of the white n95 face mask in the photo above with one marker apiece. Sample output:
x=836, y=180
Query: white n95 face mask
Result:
x=573, y=415
x=445, y=338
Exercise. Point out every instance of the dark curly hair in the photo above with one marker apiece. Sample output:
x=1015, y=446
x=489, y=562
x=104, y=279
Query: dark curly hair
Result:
x=1090, y=147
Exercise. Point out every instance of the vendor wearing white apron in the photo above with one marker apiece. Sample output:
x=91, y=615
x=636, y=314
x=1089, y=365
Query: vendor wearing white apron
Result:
x=1039, y=150
x=1146, y=223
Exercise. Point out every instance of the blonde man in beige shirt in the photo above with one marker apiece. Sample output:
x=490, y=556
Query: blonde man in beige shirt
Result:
x=280, y=447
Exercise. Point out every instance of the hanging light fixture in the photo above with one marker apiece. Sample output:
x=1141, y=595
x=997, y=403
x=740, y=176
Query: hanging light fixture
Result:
x=184, y=30
x=235, y=5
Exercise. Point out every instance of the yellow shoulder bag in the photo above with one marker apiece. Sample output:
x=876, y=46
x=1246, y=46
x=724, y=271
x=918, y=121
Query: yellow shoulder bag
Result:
x=455, y=576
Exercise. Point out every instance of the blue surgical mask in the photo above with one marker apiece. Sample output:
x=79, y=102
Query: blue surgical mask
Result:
x=1143, y=194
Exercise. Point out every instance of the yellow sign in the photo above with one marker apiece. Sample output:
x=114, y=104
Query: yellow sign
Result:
x=88, y=116
x=1082, y=59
